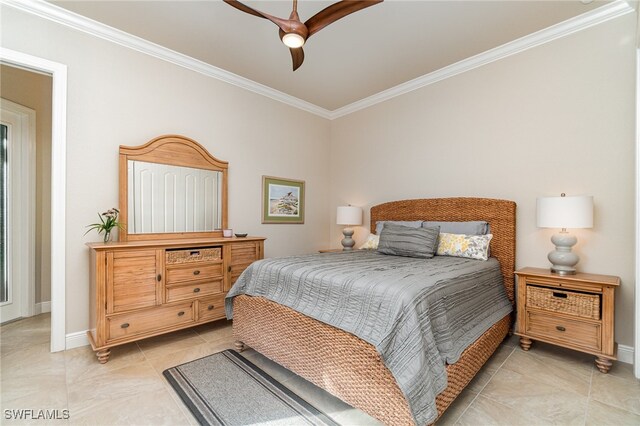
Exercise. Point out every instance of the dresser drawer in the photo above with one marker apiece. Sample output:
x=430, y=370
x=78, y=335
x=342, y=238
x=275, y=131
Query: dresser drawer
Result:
x=575, y=332
x=149, y=320
x=193, y=272
x=580, y=304
x=211, y=308
x=193, y=290
x=194, y=255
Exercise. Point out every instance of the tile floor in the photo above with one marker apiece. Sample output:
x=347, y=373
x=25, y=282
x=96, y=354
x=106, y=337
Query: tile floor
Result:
x=546, y=385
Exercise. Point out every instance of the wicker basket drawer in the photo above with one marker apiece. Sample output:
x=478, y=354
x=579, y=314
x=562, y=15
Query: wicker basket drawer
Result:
x=205, y=254
x=582, y=305
x=574, y=332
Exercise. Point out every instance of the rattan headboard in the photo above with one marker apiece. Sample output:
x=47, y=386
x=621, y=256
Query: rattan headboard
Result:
x=501, y=215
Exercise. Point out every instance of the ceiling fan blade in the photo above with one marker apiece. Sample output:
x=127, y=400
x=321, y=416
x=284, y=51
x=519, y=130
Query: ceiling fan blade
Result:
x=334, y=12
x=244, y=8
x=297, y=56
x=283, y=24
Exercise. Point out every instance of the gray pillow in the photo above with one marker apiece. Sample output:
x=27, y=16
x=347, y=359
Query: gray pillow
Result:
x=407, y=241
x=467, y=228
x=410, y=223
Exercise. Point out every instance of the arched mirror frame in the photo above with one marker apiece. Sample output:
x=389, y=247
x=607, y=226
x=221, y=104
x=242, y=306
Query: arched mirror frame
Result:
x=173, y=150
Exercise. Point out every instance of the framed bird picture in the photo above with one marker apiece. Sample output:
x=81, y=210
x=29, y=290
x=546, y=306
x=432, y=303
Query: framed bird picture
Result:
x=282, y=200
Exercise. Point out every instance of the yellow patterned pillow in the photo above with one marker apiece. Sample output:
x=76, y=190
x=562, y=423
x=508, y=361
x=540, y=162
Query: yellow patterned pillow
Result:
x=461, y=245
x=371, y=243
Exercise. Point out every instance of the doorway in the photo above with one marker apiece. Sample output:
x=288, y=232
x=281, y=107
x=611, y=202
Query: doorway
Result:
x=56, y=215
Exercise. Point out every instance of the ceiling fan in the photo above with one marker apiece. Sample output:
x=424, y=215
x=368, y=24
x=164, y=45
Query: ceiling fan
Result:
x=294, y=33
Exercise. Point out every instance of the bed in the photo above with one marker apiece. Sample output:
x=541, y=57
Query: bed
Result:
x=349, y=367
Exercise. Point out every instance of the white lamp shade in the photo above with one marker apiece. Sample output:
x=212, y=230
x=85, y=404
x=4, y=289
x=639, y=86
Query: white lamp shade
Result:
x=349, y=215
x=565, y=212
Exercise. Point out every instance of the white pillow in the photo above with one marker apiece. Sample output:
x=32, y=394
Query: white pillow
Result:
x=371, y=243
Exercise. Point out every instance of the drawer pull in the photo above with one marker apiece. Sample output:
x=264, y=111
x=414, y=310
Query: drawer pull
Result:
x=159, y=277
x=196, y=290
x=561, y=295
x=181, y=313
x=194, y=253
x=210, y=307
x=196, y=272
x=560, y=328
x=125, y=325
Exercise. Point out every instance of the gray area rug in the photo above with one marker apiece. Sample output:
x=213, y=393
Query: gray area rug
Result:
x=227, y=389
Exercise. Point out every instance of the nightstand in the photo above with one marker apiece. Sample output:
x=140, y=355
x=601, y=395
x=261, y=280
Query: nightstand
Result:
x=572, y=311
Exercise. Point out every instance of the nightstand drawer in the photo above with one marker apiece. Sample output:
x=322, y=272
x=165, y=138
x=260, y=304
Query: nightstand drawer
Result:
x=584, y=305
x=574, y=332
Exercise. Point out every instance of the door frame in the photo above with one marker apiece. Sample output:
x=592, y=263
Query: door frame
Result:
x=58, y=72
x=21, y=215
x=636, y=349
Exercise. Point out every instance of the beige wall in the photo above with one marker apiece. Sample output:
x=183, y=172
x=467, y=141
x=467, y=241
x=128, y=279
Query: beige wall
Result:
x=556, y=118
x=34, y=91
x=119, y=96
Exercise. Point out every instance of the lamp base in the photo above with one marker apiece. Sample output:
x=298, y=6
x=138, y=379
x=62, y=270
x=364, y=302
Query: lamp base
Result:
x=563, y=271
x=563, y=260
x=347, y=241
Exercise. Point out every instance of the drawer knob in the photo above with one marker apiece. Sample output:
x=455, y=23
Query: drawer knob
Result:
x=196, y=272
x=560, y=295
x=229, y=268
x=181, y=313
x=125, y=325
x=196, y=290
x=560, y=328
x=159, y=277
x=210, y=307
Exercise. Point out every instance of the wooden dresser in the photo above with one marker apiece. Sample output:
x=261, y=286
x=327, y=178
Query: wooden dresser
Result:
x=573, y=311
x=141, y=289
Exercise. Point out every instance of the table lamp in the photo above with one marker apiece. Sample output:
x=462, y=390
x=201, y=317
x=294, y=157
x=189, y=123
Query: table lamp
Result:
x=564, y=212
x=350, y=216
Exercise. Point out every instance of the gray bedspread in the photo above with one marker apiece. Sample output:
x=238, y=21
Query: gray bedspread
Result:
x=417, y=313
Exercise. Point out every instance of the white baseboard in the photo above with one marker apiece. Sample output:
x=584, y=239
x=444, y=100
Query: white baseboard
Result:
x=625, y=354
x=76, y=340
x=41, y=308
x=79, y=339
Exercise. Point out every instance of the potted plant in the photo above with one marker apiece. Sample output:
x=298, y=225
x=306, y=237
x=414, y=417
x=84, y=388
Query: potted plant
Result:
x=108, y=221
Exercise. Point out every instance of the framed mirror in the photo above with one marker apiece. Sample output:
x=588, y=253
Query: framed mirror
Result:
x=171, y=188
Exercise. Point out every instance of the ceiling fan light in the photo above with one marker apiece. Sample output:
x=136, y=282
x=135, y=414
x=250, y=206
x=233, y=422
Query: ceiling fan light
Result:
x=293, y=40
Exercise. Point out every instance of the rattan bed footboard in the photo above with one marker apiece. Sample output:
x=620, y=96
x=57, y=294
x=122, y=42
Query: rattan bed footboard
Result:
x=343, y=364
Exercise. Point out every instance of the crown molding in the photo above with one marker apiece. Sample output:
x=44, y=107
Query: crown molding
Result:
x=578, y=23
x=78, y=22
x=81, y=23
